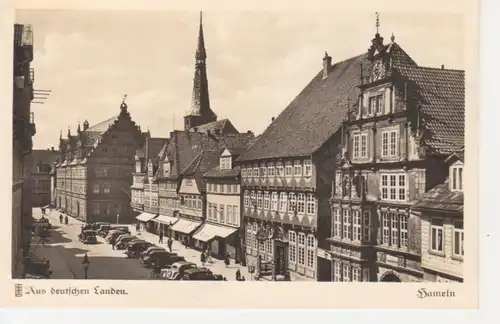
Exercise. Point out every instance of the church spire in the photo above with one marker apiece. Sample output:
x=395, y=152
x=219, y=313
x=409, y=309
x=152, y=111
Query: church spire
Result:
x=201, y=53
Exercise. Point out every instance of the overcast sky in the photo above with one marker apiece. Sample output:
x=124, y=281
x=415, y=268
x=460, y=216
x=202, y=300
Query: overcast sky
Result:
x=257, y=62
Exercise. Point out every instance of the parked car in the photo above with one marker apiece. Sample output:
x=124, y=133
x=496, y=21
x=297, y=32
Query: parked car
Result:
x=96, y=226
x=198, y=274
x=148, y=259
x=150, y=250
x=36, y=267
x=166, y=260
x=176, y=270
x=134, y=248
x=87, y=237
x=123, y=240
x=104, y=230
x=40, y=224
x=114, y=234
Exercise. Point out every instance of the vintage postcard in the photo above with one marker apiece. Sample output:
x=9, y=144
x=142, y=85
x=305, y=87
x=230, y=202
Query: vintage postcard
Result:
x=307, y=155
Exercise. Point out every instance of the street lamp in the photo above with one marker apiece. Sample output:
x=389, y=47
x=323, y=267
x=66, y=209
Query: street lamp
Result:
x=86, y=264
x=117, y=218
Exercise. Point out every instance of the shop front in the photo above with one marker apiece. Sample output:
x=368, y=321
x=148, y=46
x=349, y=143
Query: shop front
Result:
x=164, y=224
x=221, y=239
x=145, y=224
x=183, y=229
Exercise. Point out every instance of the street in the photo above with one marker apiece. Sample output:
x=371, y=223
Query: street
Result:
x=66, y=253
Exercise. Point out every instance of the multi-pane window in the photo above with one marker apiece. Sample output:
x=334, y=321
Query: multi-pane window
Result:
x=356, y=225
x=262, y=246
x=337, y=274
x=347, y=223
x=366, y=226
x=437, y=234
x=210, y=212
x=270, y=243
x=221, y=213
x=458, y=238
x=337, y=223
x=292, y=201
x=311, y=205
x=301, y=257
x=255, y=171
x=297, y=168
x=376, y=104
x=235, y=215
x=282, y=202
x=390, y=143
x=263, y=171
x=394, y=229
x=373, y=105
x=355, y=146
x=280, y=171
x=385, y=228
x=229, y=215
x=311, y=247
x=356, y=274
x=266, y=200
x=270, y=170
x=360, y=146
x=403, y=242
x=243, y=173
x=346, y=273
x=307, y=168
x=393, y=187
x=292, y=239
x=456, y=178
x=274, y=201
x=301, y=203
x=96, y=188
x=288, y=169
x=259, y=200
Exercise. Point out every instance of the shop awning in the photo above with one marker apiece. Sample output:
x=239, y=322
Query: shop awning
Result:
x=208, y=231
x=185, y=226
x=167, y=220
x=144, y=217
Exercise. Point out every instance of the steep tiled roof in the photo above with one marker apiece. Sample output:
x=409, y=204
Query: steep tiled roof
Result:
x=236, y=145
x=457, y=155
x=204, y=161
x=220, y=126
x=155, y=145
x=44, y=156
x=218, y=173
x=441, y=198
x=442, y=98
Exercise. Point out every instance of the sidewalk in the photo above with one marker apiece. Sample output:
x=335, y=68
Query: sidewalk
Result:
x=59, y=266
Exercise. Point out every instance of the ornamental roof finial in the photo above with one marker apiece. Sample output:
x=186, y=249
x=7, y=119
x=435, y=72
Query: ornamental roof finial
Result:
x=377, y=23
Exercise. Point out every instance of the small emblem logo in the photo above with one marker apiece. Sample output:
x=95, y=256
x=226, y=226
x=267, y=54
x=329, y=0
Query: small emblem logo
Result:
x=18, y=290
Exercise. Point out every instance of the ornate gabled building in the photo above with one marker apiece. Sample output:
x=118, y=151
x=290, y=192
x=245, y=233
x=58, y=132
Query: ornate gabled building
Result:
x=41, y=163
x=405, y=119
x=144, y=190
x=95, y=172
x=441, y=211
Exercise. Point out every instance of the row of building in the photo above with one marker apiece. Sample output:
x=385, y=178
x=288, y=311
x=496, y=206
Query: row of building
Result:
x=360, y=178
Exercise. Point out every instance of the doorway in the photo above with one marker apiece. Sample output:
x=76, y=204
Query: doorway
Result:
x=390, y=277
x=280, y=256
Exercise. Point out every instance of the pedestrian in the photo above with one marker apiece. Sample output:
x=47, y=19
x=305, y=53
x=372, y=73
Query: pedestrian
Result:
x=160, y=237
x=60, y=218
x=169, y=243
x=202, y=258
x=113, y=241
x=227, y=260
x=66, y=219
x=238, y=275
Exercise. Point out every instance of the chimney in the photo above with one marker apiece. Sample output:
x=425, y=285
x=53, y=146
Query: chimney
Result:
x=272, y=119
x=249, y=132
x=85, y=125
x=327, y=65
x=442, y=66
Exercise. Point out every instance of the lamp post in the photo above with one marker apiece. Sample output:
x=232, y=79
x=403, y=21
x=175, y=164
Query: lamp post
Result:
x=86, y=265
x=117, y=218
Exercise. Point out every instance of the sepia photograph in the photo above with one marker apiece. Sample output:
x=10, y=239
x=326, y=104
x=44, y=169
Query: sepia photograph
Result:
x=245, y=146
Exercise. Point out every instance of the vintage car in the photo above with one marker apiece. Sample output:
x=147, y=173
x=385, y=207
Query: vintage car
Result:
x=37, y=268
x=155, y=255
x=42, y=223
x=87, y=237
x=96, y=226
x=123, y=240
x=113, y=235
x=105, y=229
x=198, y=274
x=134, y=248
x=176, y=270
x=166, y=260
x=150, y=250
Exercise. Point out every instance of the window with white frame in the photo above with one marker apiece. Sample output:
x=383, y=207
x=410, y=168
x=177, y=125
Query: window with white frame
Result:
x=301, y=243
x=266, y=200
x=437, y=235
x=364, y=146
x=292, y=254
x=297, y=168
x=96, y=188
x=270, y=243
x=403, y=232
x=394, y=229
x=96, y=209
x=356, y=274
x=210, y=212
x=263, y=170
x=366, y=226
x=288, y=169
x=301, y=203
x=229, y=214
x=458, y=238
x=311, y=205
x=253, y=200
x=337, y=222
x=248, y=239
x=311, y=247
x=243, y=173
x=280, y=170
x=255, y=171
x=355, y=146
x=307, y=168
x=347, y=223
x=360, y=146
x=337, y=274
x=271, y=170
x=259, y=199
x=390, y=141
x=221, y=213
x=356, y=225
x=346, y=275
x=262, y=246
x=393, y=186
x=385, y=228
x=274, y=201
x=229, y=188
x=292, y=202
x=235, y=220
x=282, y=202
x=456, y=173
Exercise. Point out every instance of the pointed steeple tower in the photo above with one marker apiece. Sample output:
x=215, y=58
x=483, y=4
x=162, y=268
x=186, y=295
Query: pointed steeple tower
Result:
x=200, y=104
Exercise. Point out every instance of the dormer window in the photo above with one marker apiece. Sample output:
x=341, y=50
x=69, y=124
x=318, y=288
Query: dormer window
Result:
x=225, y=163
x=166, y=169
x=376, y=105
x=456, y=181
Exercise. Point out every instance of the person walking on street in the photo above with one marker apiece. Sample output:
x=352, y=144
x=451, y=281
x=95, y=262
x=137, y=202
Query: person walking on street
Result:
x=227, y=260
x=238, y=275
x=66, y=219
x=160, y=237
x=113, y=242
x=169, y=243
x=203, y=258
x=60, y=218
